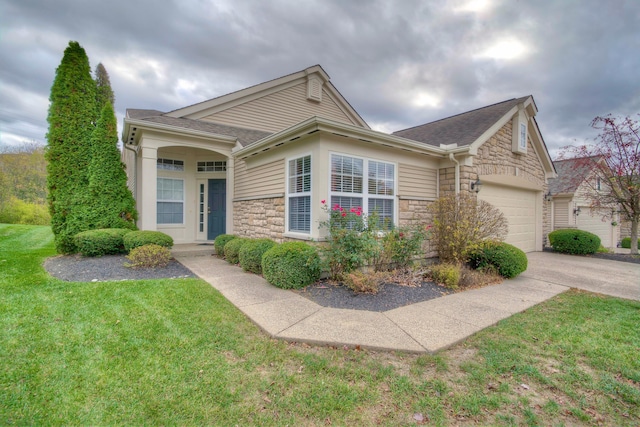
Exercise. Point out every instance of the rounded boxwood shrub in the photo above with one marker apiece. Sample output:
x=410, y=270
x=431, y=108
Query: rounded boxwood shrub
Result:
x=149, y=256
x=232, y=249
x=250, y=254
x=291, y=265
x=507, y=260
x=574, y=241
x=626, y=243
x=220, y=241
x=140, y=238
x=100, y=242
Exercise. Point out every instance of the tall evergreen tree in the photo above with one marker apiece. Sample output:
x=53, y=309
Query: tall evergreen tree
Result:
x=104, y=92
x=72, y=114
x=110, y=204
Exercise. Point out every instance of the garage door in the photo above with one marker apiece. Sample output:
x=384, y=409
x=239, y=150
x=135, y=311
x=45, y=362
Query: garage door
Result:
x=519, y=207
x=591, y=220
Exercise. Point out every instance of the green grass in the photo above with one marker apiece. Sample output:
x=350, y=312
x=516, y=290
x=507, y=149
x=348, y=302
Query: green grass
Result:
x=175, y=351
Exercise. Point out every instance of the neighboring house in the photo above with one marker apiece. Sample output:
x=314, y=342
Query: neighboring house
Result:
x=571, y=207
x=259, y=161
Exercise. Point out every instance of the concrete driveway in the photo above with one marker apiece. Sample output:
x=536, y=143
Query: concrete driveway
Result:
x=615, y=278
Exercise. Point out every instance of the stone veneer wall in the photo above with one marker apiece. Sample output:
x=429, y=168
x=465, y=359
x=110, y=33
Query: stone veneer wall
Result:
x=496, y=158
x=259, y=218
x=414, y=213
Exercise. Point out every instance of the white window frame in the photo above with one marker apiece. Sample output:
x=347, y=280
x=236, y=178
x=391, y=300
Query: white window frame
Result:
x=170, y=162
x=298, y=194
x=158, y=200
x=223, y=166
x=365, y=196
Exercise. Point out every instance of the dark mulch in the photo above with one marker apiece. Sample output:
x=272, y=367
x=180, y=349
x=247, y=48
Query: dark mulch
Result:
x=635, y=259
x=389, y=296
x=76, y=268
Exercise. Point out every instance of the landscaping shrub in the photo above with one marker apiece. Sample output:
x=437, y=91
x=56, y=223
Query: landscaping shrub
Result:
x=364, y=283
x=291, y=265
x=250, y=254
x=446, y=274
x=232, y=249
x=470, y=278
x=461, y=223
x=140, y=238
x=220, y=241
x=573, y=241
x=503, y=258
x=149, y=256
x=100, y=242
x=398, y=248
x=626, y=243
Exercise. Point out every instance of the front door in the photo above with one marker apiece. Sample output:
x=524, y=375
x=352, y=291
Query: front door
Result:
x=217, y=208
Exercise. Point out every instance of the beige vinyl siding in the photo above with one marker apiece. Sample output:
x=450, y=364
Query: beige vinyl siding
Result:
x=280, y=110
x=415, y=181
x=560, y=215
x=262, y=180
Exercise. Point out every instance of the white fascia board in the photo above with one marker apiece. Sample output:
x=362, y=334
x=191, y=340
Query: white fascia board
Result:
x=128, y=123
x=315, y=124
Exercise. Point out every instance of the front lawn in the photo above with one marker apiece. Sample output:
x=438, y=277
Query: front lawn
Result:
x=175, y=351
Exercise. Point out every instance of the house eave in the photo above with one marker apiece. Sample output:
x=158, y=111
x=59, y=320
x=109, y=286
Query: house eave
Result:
x=319, y=124
x=131, y=126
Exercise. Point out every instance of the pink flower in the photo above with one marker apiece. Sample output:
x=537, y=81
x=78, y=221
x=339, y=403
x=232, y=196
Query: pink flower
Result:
x=323, y=201
x=344, y=214
x=358, y=213
x=353, y=210
x=342, y=210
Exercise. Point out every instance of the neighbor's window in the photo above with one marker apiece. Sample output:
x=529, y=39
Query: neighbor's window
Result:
x=171, y=165
x=299, y=195
x=170, y=201
x=349, y=189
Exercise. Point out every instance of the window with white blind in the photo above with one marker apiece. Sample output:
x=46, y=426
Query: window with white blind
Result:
x=170, y=165
x=299, y=195
x=350, y=189
x=170, y=201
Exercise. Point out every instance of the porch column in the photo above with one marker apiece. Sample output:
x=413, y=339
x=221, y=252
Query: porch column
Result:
x=230, y=194
x=149, y=184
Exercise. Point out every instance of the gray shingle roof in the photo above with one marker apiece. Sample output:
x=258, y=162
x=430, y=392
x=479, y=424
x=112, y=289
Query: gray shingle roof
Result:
x=571, y=173
x=245, y=136
x=462, y=129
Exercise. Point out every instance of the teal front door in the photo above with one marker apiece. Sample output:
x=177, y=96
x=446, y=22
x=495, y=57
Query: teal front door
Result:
x=217, y=208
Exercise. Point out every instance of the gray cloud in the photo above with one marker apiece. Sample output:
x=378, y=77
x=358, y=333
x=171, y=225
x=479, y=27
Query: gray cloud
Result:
x=398, y=63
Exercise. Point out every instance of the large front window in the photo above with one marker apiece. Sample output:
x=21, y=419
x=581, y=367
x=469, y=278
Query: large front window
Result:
x=350, y=189
x=170, y=199
x=299, y=195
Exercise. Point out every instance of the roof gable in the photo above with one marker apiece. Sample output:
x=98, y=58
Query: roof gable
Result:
x=277, y=104
x=462, y=129
x=571, y=174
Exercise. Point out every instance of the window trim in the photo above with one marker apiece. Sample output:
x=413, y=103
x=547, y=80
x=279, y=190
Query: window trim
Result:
x=168, y=224
x=173, y=160
x=211, y=161
x=289, y=195
x=365, y=196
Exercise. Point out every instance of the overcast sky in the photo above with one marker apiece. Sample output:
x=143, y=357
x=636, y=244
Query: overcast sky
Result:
x=399, y=63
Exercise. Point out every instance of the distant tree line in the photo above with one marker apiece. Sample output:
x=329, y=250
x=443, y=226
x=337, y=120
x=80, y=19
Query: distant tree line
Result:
x=86, y=180
x=23, y=184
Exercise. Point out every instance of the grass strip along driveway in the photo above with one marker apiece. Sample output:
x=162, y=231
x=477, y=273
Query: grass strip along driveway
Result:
x=176, y=352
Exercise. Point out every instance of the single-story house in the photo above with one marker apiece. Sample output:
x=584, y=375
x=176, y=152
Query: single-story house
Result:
x=571, y=207
x=259, y=161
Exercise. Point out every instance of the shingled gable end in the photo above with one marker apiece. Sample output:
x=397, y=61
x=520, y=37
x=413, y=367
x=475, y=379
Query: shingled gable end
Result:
x=258, y=161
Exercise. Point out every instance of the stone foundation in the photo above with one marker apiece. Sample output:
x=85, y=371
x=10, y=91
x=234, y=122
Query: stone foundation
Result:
x=260, y=218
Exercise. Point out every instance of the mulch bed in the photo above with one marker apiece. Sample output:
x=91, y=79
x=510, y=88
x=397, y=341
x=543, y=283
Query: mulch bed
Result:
x=76, y=268
x=389, y=296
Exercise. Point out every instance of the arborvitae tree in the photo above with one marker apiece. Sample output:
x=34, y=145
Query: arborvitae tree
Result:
x=104, y=92
x=110, y=203
x=72, y=114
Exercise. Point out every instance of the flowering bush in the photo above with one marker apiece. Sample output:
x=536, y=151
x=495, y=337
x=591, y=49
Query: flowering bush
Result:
x=356, y=239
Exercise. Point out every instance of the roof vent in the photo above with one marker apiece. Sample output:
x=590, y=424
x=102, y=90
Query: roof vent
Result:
x=314, y=88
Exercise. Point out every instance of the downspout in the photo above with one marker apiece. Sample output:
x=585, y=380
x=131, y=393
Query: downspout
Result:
x=135, y=171
x=457, y=172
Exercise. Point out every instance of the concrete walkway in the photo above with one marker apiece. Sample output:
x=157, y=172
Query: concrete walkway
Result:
x=428, y=326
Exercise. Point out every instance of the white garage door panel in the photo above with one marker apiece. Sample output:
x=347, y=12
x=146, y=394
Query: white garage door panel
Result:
x=519, y=207
x=591, y=220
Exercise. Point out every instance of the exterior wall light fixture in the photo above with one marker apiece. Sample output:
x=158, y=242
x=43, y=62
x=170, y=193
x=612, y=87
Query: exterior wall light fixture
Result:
x=576, y=211
x=476, y=185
